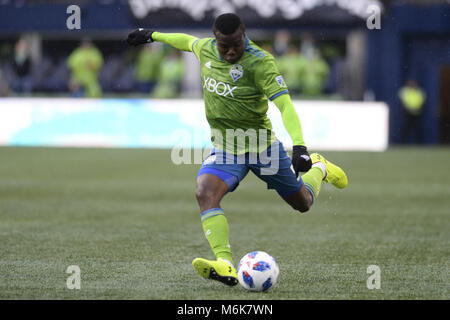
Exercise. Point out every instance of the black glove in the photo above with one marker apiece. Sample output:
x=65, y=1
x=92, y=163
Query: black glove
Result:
x=140, y=36
x=301, y=161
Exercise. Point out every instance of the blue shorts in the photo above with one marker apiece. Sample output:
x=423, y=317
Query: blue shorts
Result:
x=272, y=166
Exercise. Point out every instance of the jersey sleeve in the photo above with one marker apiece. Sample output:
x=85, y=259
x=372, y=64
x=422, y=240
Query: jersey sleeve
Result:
x=269, y=79
x=198, y=45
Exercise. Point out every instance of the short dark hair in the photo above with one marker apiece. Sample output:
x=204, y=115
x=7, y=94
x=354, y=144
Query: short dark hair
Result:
x=228, y=23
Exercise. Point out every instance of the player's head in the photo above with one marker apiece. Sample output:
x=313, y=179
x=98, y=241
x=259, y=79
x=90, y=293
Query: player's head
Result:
x=229, y=31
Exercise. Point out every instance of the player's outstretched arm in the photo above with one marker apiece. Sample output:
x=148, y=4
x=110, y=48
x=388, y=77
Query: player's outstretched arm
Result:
x=180, y=41
x=300, y=156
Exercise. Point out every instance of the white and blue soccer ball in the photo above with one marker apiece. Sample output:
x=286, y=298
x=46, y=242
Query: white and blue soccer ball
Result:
x=258, y=271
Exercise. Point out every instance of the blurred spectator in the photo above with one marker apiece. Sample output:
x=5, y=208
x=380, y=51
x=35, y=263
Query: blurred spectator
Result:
x=332, y=55
x=85, y=63
x=412, y=98
x=4, y=87
x=281, y=42
x=169, y=84
x=148, y=67
x=291, y=66
x=314, y=73
x=22, y=68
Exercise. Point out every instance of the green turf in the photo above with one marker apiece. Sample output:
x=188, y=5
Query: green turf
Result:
x=129, y=220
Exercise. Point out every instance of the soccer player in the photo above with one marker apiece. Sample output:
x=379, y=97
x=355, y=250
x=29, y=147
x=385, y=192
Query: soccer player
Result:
x=238, y=79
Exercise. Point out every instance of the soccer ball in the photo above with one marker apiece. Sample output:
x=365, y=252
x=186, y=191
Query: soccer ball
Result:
x=258, y=271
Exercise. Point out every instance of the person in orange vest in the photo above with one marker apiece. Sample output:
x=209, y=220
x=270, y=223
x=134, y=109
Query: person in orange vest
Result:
x=413, y=99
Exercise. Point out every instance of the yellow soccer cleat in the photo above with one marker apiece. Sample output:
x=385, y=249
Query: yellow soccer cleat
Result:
x=335, y=175
x=219, y=270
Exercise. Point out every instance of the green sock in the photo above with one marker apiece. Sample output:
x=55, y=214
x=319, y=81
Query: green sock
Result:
x=313, y=181
x=215, y=227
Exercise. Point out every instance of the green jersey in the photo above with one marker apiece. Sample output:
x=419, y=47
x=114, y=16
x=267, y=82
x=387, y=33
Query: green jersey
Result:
x=236, y=96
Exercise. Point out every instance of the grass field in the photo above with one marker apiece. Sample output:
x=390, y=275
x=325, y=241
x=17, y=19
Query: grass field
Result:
x=129, y=219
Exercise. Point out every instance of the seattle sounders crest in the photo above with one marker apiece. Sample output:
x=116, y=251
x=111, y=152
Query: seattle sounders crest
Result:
x=280, y=81
x=236, y=72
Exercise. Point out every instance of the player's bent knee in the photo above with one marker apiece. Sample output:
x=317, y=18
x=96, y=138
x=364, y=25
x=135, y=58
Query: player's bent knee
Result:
x=298, y=204
x=209, y=191
x=202, y=193
x=300, y=201
x=302, y=207
x=305, y=200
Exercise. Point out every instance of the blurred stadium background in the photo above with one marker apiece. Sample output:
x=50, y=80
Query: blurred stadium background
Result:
x=124, y=214
x=324, y=49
